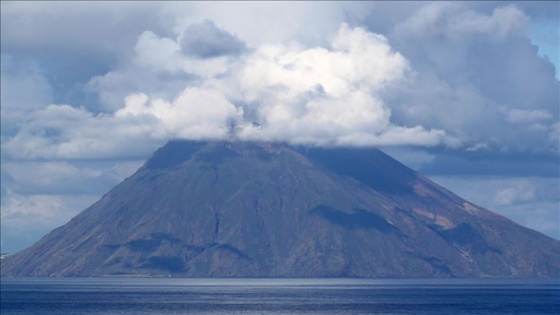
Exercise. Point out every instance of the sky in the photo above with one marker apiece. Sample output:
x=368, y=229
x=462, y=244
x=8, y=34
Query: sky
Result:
x=467, y=93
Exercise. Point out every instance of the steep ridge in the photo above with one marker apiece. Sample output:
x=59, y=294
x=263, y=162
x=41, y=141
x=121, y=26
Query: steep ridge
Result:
x=248, y=209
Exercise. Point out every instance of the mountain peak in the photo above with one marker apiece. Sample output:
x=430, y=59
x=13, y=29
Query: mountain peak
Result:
x=259, y=209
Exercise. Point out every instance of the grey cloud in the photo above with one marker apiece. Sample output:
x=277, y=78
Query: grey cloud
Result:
x=529, y=116
x=288, y=87
x=506, y=165
x=382, y=16
x=206, y=40
x=452, y=78
x=474, y=76
x=23, y=88
x=26, y=218
x=468, y=66
x=540, y=9
x=65, y=177
x=73, y=41
x=112, y=87
x=64, y=132
x=258, y=23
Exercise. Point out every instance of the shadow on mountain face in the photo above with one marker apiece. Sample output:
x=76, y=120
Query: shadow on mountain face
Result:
x=171, y=264
x=466, y=236
x=166, y=218
x=360, y=219
x=371, y=167
x=151, y=243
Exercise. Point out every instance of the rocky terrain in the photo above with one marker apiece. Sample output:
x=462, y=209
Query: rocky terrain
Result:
x=248, y=209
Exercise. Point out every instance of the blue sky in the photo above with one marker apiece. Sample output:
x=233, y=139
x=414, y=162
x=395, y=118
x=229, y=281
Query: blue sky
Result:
x=464, y=92
x=544, y=34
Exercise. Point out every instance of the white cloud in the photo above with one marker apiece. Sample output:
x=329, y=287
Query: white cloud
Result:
x=157, y=67
x=468, y=64
x=527, y=116
x=511, y=195
x=26, y=218
x=466, y=59
x=195, y=114
x=355, y=85
x=65, y=132
x=456, y=21
x=157, y=53
x=161, y=54
x=38, y=196
x=325, y=96
x=478, y=147
x=438, y=76
x=530, y=201
x=259, y=23
x=500, y=192
x=48, y=175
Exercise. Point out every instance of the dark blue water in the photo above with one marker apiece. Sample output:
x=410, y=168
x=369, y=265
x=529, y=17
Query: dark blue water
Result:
x=278, y=296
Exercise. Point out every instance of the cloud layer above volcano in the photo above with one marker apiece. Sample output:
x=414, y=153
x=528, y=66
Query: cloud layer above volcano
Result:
x=90, y=89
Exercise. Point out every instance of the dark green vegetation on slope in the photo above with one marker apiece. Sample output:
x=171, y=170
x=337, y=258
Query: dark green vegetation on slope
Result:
x=246, y=209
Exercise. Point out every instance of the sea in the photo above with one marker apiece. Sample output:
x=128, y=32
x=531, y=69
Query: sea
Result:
x=278, y=296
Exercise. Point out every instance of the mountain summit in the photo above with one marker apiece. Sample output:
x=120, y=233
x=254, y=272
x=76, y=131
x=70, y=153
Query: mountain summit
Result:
x=248, y=209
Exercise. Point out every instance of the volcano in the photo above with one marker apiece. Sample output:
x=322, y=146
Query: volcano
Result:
x=252, y=209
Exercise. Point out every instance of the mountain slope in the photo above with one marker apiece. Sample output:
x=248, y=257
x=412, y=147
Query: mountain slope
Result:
x=245, y=209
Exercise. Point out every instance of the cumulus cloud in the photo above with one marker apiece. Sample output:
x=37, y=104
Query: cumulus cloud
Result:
x=74, y=41
x=450, y=79
x=442, y=62
x=326, y=96
x=195, y=114
x=66, y=132
x=469, y=66
x=260, y=23
x=463, y=60
x=320, y=96
x=157, y=67
x=452, y=20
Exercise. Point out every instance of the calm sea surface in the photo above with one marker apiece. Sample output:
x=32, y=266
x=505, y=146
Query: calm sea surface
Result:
x=278, y=296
